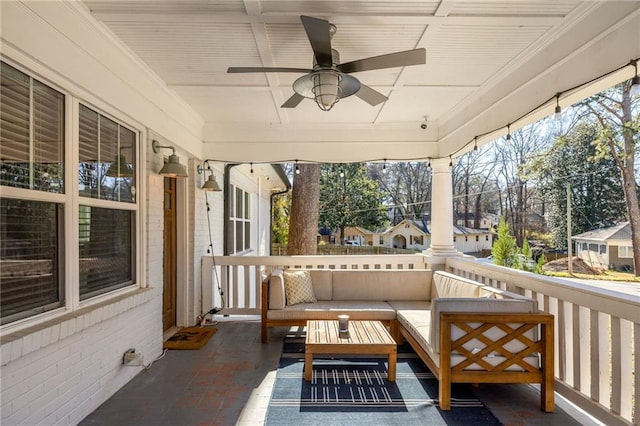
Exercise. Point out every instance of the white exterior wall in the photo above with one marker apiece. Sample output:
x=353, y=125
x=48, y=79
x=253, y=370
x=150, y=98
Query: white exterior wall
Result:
x=471, y=245
x=593, y=258
x=59, y=367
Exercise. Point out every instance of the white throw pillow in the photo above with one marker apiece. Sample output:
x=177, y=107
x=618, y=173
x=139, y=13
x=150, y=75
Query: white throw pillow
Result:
x=298, y=287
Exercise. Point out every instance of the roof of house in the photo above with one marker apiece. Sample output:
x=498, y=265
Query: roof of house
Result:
x=621, y=231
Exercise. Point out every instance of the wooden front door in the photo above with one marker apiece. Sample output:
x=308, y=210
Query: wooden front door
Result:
x=169, y=261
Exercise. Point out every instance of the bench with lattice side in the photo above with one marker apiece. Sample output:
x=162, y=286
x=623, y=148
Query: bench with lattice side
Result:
x=484, y=341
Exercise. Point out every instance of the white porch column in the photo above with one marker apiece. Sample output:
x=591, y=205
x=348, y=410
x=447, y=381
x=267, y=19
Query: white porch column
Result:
x=441, y=215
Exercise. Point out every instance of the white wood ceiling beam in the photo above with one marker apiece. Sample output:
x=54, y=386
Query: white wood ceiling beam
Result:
x=442, y=11
x=264, y=49
x=234, y=18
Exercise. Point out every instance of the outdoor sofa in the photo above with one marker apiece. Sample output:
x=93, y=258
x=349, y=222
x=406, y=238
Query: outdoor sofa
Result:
x=464, y=331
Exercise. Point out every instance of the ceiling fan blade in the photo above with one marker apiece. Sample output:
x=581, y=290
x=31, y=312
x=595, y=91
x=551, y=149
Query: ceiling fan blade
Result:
x=370, y=96
x=319, y=34
x=293, y=101
x=391, y=60
x=232, y=70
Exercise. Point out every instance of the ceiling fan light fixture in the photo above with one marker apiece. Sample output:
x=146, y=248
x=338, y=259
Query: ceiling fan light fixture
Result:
x=326, y=87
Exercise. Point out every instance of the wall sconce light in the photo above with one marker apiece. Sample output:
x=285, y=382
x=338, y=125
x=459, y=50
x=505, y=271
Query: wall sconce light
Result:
x=210, y=184
x=172, y=168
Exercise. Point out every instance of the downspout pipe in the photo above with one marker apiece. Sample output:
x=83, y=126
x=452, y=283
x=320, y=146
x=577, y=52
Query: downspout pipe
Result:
x=283, y=176
x=227, y=206
x=227, y=202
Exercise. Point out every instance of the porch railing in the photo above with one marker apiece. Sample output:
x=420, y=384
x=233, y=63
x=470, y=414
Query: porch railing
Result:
x=240, y=277
x=597, y=338
x=598, y=331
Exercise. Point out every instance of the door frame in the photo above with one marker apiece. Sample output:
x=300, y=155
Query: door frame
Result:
x=183, y=279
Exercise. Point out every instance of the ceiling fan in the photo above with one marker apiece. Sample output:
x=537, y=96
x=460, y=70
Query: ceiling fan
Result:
x=329, y=80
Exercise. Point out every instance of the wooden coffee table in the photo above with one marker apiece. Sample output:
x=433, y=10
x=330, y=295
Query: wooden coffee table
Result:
x=364, y=338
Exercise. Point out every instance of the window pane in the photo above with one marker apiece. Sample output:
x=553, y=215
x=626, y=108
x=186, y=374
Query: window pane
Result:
x=88, y=168
x=107, y=158
x=231, y=238
x=31, y=133
x=107, y=154
x=124, y=171
x=247, y=235
x=239, y=237
x=106, y=251
x=246, y=205
x=48, y=138
x=239, y=209
x=29, y=247
x=14, y=126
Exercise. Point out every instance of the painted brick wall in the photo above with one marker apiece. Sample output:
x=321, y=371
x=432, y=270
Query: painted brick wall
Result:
x=64, y=381
x=60, y=371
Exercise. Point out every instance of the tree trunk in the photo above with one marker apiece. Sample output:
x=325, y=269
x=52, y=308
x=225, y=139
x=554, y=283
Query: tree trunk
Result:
x=467, y=222
x=305, y=201
x=627, y=168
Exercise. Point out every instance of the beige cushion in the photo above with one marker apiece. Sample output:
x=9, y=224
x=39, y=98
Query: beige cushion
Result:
x=298, y=287
x=321, y=279
x=450, y=285
x=410, y=305
x=277, y=299
x=383, y=285
x=357, y=310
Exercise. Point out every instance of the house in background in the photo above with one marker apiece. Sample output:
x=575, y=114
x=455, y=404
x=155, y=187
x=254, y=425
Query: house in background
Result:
x=487, y=220
x=362, y=236
x=415, y=235
x=606, y=248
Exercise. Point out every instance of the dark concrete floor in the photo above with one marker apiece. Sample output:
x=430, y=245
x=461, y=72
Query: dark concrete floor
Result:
x=229, y=382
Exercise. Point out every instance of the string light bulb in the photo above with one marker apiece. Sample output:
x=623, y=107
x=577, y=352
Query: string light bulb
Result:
x=558, y=113
x=384, y=167
x=450, y=161
x=341, y=172
x=475, y=143
x=251, y=167
x=635, y=81
x=297, y=168
x=509, y=131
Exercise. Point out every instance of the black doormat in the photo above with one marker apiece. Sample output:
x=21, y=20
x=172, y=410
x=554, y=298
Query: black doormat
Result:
x=355, y=391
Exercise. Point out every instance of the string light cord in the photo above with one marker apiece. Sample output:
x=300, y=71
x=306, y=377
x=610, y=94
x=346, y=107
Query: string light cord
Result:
x=213, y=310
x=551, y=101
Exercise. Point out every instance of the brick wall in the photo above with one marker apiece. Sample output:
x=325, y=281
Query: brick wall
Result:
x=61, y=370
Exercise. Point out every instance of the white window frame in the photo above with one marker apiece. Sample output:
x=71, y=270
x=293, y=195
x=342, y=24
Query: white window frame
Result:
x=625, y=252
x=71, y=200
x=234, y=220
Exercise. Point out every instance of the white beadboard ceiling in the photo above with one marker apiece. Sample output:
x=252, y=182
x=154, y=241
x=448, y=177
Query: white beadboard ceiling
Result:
x=488, y=63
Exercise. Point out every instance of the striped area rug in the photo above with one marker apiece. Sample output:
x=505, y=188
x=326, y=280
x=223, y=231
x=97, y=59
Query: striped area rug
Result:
x=355, y=391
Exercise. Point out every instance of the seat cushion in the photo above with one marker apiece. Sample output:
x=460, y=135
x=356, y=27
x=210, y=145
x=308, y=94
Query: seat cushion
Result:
x=410, y=305
x=357, y=310
x=449, y=285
